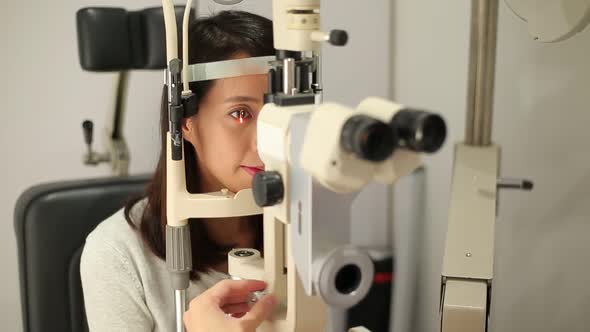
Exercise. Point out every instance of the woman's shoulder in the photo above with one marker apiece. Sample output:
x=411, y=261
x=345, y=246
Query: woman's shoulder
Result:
x=116, y=234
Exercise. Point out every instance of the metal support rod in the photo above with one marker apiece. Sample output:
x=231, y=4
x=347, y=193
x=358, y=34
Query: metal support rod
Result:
x=288, y=76
x=336, y=320
x=119, y=110
x=318, y=73
x=317, y=78
x=180, y=301
x=482, y=63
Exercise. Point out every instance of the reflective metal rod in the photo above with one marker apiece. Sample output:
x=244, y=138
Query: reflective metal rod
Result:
x=180, y=301
x=482, y=63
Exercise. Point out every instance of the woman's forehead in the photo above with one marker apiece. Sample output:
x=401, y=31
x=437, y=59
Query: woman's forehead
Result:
x=250, y=85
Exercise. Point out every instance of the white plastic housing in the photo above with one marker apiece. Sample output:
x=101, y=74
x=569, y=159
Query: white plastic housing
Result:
x=273, y=146
x=181, y=205
x=292, y=30
x=342, y=171
x=552, y=20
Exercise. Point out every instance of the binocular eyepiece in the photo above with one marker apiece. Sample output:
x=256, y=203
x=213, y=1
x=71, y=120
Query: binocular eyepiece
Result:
x=367, y=138
x=419, y=131
x=374, y=140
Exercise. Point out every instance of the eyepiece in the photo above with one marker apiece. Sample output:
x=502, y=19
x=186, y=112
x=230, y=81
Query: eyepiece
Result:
x=419, y=131
x=367, y=138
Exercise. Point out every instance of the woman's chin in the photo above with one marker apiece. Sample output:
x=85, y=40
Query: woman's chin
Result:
x=244, y=183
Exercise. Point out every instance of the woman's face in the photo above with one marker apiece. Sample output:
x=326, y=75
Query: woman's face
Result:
x=223, y=133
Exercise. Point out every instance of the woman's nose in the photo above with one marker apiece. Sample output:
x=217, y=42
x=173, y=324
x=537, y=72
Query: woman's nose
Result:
x=254, y=144
x=254, y=138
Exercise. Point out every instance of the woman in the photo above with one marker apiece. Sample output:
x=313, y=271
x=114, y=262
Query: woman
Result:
x=125, y=281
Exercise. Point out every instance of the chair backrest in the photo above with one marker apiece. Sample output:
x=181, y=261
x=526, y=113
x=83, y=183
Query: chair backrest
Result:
x=51, y=223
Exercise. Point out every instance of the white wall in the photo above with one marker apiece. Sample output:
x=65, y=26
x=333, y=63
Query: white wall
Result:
x=41, y=137
x=540, y=120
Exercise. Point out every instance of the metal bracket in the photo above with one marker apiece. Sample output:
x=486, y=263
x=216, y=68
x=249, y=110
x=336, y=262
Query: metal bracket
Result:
x=469, y=252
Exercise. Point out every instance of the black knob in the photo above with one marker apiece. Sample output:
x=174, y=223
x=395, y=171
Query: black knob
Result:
x=87, y=126
x=268, y=188
x=338, y=37
x=527, y=185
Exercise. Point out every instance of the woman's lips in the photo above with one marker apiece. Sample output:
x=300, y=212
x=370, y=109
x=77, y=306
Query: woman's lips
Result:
x=252, y=170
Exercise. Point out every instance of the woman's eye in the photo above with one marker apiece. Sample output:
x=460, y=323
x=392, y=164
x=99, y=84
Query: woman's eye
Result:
x=241, y=115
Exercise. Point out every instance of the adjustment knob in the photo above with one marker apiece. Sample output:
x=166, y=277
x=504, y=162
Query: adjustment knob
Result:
x=338, y=37
x=268, y=188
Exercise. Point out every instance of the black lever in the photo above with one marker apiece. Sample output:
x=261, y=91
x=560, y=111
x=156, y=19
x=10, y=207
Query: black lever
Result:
x=88, y=128
x=508, y=183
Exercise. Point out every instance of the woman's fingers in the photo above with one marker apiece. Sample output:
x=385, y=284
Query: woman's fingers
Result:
x=234, y=289
x=236, y=308
x=235, y=299
x=208, y=312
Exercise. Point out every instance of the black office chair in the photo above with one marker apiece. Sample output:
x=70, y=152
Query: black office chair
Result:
x=51, y=223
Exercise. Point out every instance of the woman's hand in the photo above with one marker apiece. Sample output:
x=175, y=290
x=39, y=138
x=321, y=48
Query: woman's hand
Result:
x=224, y=307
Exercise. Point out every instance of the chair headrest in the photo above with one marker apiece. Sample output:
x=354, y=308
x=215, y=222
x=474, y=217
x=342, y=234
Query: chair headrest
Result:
x=114, y=39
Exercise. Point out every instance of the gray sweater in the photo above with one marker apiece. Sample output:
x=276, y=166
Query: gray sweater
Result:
x=126, y=287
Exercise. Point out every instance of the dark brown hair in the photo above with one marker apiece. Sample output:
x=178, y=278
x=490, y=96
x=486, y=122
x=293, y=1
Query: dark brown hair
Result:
x=214, y=38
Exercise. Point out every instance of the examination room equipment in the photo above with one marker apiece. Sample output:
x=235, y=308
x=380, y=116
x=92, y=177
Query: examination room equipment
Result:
x=319, y=155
